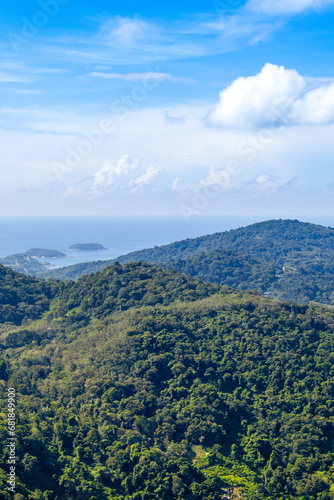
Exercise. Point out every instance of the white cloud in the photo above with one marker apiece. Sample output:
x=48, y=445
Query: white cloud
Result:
x=105, y=177
x=11, y=78
x=125, y=31
x=185, y=149
x=269, y=183
x=274, y=97
x=145, y=179
x=125, y=41
x=140, y=77
x=120, y=174
x=315, y=107
x=179, y=186
x=273, y=7
x=220, y=179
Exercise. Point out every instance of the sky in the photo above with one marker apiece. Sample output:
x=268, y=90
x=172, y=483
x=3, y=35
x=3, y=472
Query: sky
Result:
x=220, y=107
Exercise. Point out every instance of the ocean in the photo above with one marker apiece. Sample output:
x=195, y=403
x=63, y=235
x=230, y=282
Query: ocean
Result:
x=119, y=235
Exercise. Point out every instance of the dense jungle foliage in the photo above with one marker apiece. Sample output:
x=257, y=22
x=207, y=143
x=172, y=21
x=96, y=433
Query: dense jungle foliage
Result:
x=138, y=383
x=23, y=298
x=283, y=259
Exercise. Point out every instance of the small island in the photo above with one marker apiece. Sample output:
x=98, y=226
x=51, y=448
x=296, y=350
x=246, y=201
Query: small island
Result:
x=86, y=247
x=44, y=253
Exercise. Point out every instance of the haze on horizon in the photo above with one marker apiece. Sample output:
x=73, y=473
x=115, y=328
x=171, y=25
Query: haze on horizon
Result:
x=205, y=107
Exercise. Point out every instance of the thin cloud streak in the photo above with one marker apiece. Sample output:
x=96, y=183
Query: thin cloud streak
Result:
x=140, y=77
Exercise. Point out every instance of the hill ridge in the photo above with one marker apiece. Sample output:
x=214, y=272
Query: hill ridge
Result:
x=284, y=259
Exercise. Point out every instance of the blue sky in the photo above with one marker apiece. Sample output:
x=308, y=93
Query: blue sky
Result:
x=190, y=108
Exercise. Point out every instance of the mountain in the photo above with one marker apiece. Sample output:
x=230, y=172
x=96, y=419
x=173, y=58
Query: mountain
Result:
x=283, y=259
x=141, y=383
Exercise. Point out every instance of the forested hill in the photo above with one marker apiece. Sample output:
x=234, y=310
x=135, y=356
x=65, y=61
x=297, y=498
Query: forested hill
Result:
x=272, y=240
x=284, y=259
x=23, y=298
x=139, y=383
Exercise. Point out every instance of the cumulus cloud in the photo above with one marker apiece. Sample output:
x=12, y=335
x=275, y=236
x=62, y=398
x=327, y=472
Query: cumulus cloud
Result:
x=145, y=179
x=274, y=97
x=315, y=107
x=286, y=6
x=123, y=175
x=106, y=176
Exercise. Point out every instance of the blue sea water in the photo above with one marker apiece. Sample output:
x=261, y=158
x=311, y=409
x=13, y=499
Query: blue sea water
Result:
x=119, y=235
